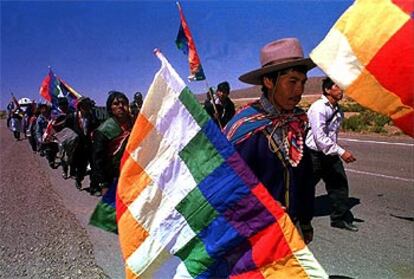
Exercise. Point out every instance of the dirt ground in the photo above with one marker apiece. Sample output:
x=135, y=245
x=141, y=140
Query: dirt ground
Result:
x=39, y=237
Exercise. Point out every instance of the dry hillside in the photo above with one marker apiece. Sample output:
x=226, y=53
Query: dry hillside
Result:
x=241, y=96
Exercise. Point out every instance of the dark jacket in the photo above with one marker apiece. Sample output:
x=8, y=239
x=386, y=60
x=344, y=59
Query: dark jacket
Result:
x=289, y=185
x=73, y=122
x=107, y=150
x=255, y=152
x=226, y=111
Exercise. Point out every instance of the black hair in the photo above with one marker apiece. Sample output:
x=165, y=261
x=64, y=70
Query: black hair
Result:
x=112, y=96
x=138, y=95
x=273, y=76
x=84, y=102
x=223, y=87
x=327, y=83
x=62, y=101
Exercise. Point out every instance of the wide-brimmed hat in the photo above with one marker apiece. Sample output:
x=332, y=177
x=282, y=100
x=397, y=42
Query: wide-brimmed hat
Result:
x=278, y=55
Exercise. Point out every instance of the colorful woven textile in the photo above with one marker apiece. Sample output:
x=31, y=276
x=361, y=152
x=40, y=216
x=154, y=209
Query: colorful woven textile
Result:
x=189, y=207
x=252, y=119
x=369, y=52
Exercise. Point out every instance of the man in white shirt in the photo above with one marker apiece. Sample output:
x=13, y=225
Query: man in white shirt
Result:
x=325, y=118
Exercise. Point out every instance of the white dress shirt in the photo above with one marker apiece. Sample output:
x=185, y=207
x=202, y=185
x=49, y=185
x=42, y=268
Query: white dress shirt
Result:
x=323, y=136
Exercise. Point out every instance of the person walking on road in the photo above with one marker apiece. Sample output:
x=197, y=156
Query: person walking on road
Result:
x=108, y=144
x=84, y=124
x=268, y=133
x=325, y=118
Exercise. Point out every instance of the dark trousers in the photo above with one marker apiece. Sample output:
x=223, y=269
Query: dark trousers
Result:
x=80, y=161
x=330, y=169
x=33, y=143
x=16, y=135
x=51, y=149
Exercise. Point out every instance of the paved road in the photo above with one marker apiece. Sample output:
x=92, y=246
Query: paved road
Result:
x=382, y=189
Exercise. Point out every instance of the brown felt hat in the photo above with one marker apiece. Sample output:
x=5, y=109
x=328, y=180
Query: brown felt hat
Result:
x=278, y=55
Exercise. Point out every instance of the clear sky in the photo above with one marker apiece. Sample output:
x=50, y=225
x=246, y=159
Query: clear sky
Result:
x=97, y=46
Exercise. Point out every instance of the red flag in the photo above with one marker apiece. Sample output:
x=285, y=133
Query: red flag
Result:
x=186, y=43
x=370, y=54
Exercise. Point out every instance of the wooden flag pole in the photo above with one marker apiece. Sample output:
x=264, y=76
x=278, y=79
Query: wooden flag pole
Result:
x=216, y=114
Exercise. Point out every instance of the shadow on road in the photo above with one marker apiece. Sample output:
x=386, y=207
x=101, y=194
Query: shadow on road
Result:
x=323, y=206
x=339, y=277
x=407, y=218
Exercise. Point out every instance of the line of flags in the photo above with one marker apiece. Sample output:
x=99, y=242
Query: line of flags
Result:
x=181, y=185
x=367, y=64
x=186, y=205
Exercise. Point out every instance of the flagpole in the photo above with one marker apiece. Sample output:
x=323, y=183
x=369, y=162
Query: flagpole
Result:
x=210, y=94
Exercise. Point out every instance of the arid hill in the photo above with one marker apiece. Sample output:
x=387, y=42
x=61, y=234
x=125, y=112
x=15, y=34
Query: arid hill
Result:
x=312, y=87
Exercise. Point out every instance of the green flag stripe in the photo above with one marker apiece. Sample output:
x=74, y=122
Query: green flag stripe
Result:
x=104, y=217
x=194, y=157
x=195, y=257
x=196, y=210
x=193, y=106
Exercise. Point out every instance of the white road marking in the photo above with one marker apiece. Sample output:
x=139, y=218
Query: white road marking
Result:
x=378, y=142
x=381, y=175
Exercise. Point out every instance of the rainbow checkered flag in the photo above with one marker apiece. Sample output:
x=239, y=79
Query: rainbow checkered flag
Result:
x=369, y=52
x=53, y=87
x=188, y=206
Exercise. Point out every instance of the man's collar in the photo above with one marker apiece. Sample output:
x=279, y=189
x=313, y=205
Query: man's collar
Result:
x=268, y=107
x=326, y=101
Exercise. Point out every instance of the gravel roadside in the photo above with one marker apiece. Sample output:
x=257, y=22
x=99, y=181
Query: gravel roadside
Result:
x=39, y=237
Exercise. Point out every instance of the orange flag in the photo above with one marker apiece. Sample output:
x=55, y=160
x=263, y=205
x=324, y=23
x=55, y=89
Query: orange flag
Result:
x=369, y=52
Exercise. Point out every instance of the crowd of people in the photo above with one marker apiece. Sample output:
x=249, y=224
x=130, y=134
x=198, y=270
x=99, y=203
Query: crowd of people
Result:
x=288, y=149
x=76, y=139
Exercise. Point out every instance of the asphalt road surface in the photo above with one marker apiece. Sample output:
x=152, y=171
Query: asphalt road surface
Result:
x=382, y=193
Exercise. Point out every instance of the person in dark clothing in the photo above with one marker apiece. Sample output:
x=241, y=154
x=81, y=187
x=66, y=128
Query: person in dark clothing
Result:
x=56, y=124
x=108, y=144
x=83, y=122
x=136, y=105
x=227, y=110
x=40, y=126
x=268, y=134
x=31, y=125
x=16, y=121
x=10, y=107
x=43, y=131
x=209, y=106
x=218, y=105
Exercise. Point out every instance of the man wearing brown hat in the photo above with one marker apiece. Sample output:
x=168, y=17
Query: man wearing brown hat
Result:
x=269, y=133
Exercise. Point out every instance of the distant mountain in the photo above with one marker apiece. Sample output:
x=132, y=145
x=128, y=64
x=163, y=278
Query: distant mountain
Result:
x=312, y=87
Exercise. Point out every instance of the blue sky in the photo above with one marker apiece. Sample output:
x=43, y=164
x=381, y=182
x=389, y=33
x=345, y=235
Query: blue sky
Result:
x=98, y=46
